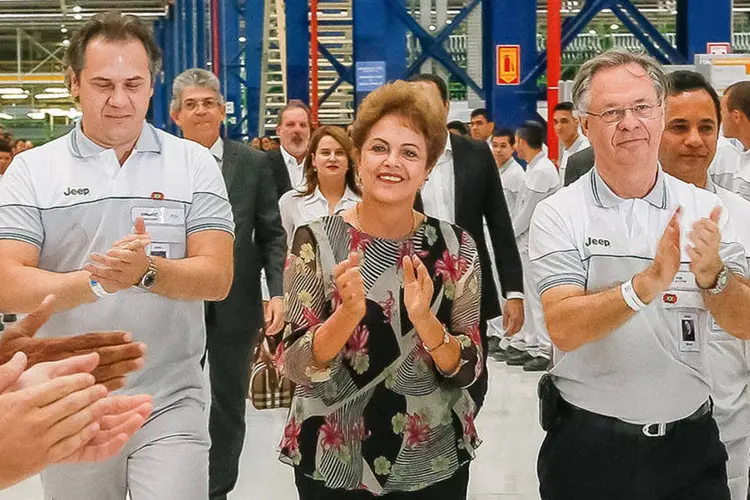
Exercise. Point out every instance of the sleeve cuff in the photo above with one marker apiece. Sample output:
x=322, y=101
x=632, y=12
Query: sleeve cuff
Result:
x=514, y=295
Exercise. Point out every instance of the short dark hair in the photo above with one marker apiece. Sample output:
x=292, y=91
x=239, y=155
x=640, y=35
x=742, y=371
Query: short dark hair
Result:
x=505, y=132
x=685, y=81
x=114, y=27
x=296, y=104
x=739, y=97
x=430, y=78
x=533, y=133
x=5, y=147
x=564, y=106
x=460, y=126
x=481, y=112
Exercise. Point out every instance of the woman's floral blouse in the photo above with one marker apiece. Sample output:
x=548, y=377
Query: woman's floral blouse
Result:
x=381, y=416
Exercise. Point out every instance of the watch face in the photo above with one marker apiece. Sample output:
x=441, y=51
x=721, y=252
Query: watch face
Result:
x=148, y=280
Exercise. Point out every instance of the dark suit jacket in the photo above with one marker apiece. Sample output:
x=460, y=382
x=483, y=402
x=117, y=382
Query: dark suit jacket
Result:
x=260, y=242
x=578, y=165
x=479, y=196
x=280, y=173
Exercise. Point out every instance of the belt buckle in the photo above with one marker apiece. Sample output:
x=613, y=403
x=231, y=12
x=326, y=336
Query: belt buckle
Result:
x=659, y=431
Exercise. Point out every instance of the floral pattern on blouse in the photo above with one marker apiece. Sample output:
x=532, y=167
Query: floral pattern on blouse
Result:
x=381, y=416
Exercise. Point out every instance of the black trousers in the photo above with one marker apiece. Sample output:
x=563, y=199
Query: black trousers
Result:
x=581, y=462
x=454, y=488
x=229, y=366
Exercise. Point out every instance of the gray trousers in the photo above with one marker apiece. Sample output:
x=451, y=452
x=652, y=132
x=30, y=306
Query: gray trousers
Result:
x=737, y=466
x=166, y=460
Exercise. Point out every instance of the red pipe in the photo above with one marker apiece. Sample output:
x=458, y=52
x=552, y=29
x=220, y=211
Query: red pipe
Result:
x=554, y=56
x=215, y=36
x=314, y=61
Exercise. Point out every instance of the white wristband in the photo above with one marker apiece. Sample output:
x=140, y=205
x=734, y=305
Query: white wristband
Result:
x=631, y=298
x=98, y=289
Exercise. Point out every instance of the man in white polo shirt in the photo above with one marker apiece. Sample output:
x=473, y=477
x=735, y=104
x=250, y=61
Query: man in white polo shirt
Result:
x=541, y=181
x=687, y=148
x=631, y=265
x=566, y=128
x=131, y=229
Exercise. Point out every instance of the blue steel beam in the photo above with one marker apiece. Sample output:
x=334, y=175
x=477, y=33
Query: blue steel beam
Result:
x=201, y=24
x=671, y=54
x=160, y=100
x=509, y=105
x=430, y=48
x=253, y=65
x=298, y=50
x=571, y=28
x=378, y=37
x=229, y=33
x=345, y=72
x=635, y=30
x=706, y=21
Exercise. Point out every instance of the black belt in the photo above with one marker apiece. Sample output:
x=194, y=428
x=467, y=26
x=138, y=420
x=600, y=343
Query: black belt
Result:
x=639, y=430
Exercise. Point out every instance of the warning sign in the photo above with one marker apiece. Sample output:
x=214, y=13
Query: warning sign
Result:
x=718, y=48
x=508, y=64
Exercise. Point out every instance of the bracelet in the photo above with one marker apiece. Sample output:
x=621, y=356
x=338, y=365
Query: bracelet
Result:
x=446, y=341
x=631, y=297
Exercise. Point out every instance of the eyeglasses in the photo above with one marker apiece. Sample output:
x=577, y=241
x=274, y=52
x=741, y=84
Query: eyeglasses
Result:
x=616, y=115
x=209, y=104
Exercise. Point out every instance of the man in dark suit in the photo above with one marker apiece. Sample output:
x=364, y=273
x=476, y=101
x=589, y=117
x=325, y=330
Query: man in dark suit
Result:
x=287, y=163
x=465, y=188
x=578, y=165
x=260, y=242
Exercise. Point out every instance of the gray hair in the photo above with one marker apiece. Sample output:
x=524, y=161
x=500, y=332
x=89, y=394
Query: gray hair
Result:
x=194, y=77
x=614, y=59
x=114, y=27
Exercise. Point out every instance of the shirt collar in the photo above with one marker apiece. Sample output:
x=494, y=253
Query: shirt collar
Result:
x=317, y=196
x=710, y=186
x=448, y=150
x=507, y=164
x=606, y=198
x=290, y=159
x=218, y=149
x=576, y=144
x=537, y=159
x=84, y=147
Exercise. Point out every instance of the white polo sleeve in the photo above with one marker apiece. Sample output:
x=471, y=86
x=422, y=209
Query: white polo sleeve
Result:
x=20, y=217
x=731, y=251
x=555, y=259
x=210, y=208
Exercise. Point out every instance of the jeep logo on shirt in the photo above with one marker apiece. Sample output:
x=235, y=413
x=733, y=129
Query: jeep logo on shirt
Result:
x=600, y=242
x=74, y=192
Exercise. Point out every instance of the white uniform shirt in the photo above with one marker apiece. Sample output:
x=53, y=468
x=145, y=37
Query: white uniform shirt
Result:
x=513, y=177
x=217, y=151
x=586, y=236
x=296, y=170
x=579, y=145
x=728, y=355
x=297, y=211
x=439, y=191
x=71, y=197
x=541, y=181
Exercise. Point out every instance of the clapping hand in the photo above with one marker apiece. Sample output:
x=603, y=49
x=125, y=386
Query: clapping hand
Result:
x=418, y=288
x=668, y=255
x=351, y=287
x=118, y=354
x=125, y=263
x=705, y=261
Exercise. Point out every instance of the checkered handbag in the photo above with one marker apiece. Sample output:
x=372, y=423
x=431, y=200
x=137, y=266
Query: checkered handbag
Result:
x=269, y=388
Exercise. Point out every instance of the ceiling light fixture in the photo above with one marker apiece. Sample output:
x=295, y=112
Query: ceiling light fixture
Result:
x=11, y=90
x=14, y=97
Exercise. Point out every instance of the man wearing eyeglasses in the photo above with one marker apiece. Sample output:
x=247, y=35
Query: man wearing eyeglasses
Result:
x=631, y=264
x=232, y=324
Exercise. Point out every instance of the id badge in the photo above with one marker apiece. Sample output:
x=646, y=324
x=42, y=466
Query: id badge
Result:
x=688, y=328
x=159, y=250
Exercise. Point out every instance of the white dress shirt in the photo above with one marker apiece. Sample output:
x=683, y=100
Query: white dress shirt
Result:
x=579, y=145
x=296, y=170
x=297, y=210
x=217, y=150
x=439, y=191
x=513, y=178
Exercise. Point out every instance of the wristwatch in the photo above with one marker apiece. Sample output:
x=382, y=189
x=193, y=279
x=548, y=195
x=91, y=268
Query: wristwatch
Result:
x=722, y=280
x=149, y=277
